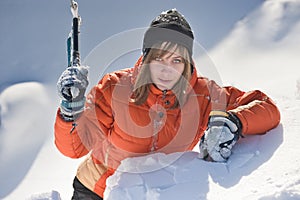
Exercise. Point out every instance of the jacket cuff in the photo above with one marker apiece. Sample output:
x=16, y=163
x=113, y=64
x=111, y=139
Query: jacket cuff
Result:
x=231, y=116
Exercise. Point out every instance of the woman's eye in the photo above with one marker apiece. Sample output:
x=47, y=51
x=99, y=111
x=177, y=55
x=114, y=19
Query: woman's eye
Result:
x=158, y=59
x=177, y=60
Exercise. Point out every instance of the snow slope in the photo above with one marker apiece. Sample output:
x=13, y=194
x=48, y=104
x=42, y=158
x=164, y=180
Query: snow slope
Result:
x=260, y=53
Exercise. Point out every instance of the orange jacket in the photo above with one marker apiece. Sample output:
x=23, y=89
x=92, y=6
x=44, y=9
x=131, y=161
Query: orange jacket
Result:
x=112, y=128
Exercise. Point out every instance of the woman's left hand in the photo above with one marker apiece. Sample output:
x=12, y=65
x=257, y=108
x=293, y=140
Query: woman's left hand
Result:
x=219, y=138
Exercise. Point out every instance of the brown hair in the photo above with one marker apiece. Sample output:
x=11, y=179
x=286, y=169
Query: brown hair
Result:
x=143, y=81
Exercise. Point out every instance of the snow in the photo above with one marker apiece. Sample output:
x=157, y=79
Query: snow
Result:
x=261, y=52
x=53, y=195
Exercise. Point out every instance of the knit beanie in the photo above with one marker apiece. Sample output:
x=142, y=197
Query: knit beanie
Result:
x=169, y=26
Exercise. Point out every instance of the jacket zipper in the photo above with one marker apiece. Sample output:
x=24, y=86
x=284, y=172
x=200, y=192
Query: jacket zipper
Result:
x=157, y=123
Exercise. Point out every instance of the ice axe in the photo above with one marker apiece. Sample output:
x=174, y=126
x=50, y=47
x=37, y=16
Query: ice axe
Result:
x=73, y=38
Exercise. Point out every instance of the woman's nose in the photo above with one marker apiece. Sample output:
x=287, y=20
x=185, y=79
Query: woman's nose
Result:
x=166, y=67
x=167, y=63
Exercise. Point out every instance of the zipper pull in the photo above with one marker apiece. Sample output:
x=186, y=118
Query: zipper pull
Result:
x=164, y=94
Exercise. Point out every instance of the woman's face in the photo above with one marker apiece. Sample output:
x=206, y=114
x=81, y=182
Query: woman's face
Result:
x=166, y=70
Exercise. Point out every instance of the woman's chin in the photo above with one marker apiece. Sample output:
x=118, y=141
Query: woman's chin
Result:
x=162, y=87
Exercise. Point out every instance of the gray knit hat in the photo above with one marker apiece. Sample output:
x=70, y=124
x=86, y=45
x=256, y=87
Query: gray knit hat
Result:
x=169, y=26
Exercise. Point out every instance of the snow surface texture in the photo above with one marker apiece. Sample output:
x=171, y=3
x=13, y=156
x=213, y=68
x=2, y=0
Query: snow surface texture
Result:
x=261, y=52
x=53, y=195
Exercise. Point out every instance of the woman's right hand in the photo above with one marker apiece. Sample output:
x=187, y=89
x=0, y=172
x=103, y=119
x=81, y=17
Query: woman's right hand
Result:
x=71, y=88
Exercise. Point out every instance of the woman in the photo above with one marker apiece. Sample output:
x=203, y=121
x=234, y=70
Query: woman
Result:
x=160, y=105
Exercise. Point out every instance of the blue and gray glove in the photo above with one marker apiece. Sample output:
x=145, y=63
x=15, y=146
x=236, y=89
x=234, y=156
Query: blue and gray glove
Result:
x=224, y=130
x=71, y=88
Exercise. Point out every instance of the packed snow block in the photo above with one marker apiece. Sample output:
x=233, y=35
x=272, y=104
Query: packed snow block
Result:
x=159, y=176
x=184, y=191
x=190, y=163
x=180, y=175
x=53, y=195
x=125, y=179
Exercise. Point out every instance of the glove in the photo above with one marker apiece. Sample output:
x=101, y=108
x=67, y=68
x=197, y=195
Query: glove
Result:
x=224, y=130
x=71, y=88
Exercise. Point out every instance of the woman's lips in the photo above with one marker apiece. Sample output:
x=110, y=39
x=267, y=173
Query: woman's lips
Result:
x=164, y=81
x=163, y=84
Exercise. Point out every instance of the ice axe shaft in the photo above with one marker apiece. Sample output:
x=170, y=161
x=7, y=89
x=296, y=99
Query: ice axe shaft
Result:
x=73, y=39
